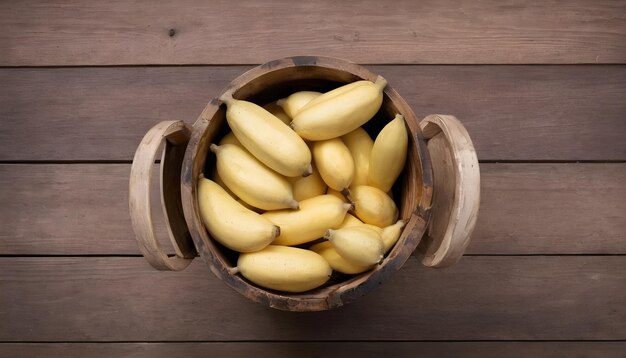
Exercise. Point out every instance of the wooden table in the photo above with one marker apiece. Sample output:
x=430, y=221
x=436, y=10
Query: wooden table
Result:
x=540, y=86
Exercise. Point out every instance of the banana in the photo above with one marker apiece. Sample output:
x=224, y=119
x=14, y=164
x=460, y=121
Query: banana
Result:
x=338, y=194
x=391, y=234
x=360, y=145
x=310, y=222
x=357, y=244
x=249, y=207
x=373, y=206
x=336, y=262
x=268, y=139
x=339, y=111
x=294, y=103
x=349, y=220
x=284, y=268
x=334, y=162
x=230, y=138
x=231, y=223
x=252, y=181
x=278, y=111
x=308, y=187
x=388, y=154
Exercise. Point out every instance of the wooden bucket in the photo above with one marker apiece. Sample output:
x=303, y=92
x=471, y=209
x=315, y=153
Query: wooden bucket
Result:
x=437, y=194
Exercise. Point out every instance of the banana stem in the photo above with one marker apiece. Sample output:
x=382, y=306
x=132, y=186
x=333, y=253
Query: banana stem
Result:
x=381, y=82
x=308, y=171
x=214, y=148
x=228, y=99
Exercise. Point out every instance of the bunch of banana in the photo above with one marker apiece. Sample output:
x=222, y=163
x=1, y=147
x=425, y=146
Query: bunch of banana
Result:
x=273, y=190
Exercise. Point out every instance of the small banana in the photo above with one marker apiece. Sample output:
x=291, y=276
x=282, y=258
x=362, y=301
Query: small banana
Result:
x=357, y=244
x=230, y=138
x=338, y=263
x=334, y=162
x=231, y=223
x=338, y=194
x=388, y=154
x=339, y=111
x=267, y=138
x=391, y=234
x=284, y=268
x=278, y=111
x=373, y=206
x=252, y=181
x=308, y=187
x=349, y=220
x=360, y=145
x=294, y=103
x=310, y=222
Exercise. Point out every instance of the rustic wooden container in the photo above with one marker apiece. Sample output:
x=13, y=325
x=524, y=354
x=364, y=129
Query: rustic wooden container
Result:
x=437, y=194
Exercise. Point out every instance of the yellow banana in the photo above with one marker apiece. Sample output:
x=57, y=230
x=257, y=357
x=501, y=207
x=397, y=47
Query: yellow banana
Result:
x=373, y=206
x=391, y=234
x=231, y=223
x=230, y=138
x=252, y=181
x=357, y=244
x=268, y=139
x=388, y=154
x=278, y=111
x=338, y=194
x=294, y=103
x=338, y=263
x=334, y=162
x=308, y=187
x=309, y=222
x=249, y=207
x=339, y=111
x=349, y=220
x=284, y=268
x=360, y=145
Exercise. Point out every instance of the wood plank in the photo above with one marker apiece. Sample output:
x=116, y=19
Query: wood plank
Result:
x=511, y=112
x=74, y=32
x=526, y=209
x=481, y=298
x=315, y=349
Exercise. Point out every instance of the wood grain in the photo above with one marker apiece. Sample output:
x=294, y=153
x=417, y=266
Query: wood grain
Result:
x=525, y=209
x=74, y=32
x=511, y=112
x=316, y=349
x=481, y=298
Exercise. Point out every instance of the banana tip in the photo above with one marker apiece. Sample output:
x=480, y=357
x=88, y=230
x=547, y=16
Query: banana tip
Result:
x=381, y=82
x=328, y=234
x=214, y=147
x=308, y=171
x=293, y=204
x=280, y=102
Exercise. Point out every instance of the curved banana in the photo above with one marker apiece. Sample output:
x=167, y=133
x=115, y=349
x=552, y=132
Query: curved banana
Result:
x=388, y=154
x=310, y=222
x=338, y=194
x=339, y=111
x=252, y=181
x=231, y=223
x=308, y=187
x=338, y=263
x=349, y=220
x=284, y=268
x=294, y=103
x=268, y=139
x=360, y=145
x=230, y=138
x=391, y=234
x=357, y=244
x=373, y=206
x=334, y=162
x=278, y=111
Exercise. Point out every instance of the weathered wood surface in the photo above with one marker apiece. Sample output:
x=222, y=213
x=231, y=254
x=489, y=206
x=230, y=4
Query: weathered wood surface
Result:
x=481, y=298
x=511, y=112
x=316, y=349
x=197, y=32
x=525, y=209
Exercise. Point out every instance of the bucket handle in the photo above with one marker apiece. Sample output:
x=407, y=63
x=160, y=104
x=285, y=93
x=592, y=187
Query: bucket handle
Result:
x=176, y=135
